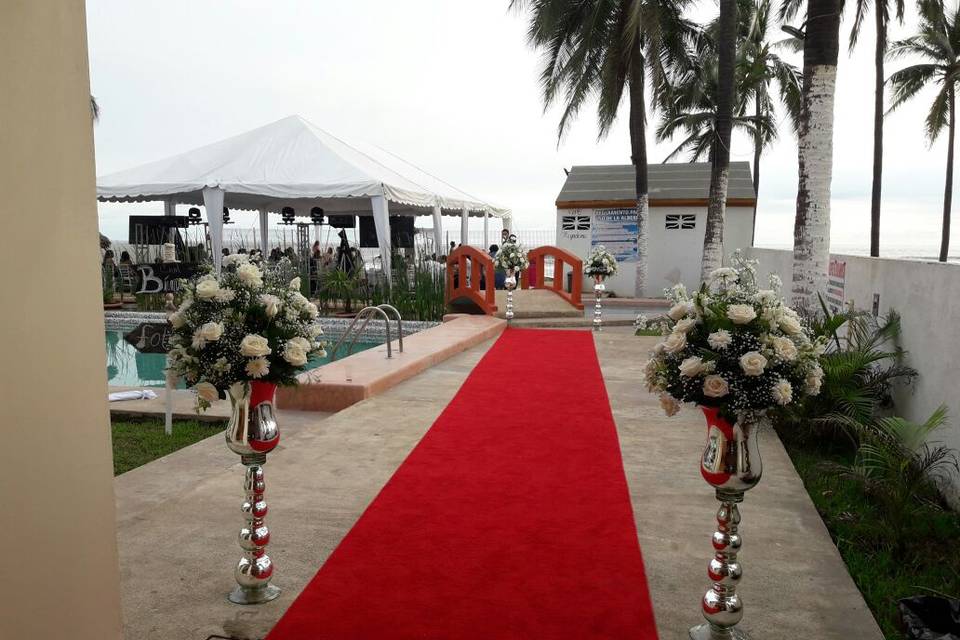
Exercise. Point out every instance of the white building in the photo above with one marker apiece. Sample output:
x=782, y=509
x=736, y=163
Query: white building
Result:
x=597, y=206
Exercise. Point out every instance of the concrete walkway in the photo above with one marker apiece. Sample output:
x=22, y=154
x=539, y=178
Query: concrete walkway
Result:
x=178, y=516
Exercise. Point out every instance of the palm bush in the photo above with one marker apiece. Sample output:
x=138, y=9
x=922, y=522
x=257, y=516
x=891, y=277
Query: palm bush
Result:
x=862, y=365
x=899, y=469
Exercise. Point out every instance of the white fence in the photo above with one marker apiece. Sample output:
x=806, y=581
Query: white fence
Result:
x=927, y=296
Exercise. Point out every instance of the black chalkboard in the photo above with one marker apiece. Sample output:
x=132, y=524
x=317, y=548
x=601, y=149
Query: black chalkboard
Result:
x=150, y=337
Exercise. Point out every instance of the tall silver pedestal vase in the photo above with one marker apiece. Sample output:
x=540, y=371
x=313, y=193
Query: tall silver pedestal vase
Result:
x=731, y=464
x=598, y=289
x=252, y=433
x=510, y=283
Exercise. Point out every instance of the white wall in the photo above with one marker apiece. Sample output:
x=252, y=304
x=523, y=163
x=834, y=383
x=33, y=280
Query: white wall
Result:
x=927, y=296
x=672, y=255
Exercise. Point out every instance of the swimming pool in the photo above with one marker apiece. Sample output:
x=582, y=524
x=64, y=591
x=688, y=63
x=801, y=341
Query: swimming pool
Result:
x=128, y=367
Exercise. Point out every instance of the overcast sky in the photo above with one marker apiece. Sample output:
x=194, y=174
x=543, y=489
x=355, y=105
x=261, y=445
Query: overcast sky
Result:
x=451, y=87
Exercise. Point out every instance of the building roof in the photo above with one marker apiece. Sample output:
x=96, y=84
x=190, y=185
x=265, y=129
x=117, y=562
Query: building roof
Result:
x=673, y=184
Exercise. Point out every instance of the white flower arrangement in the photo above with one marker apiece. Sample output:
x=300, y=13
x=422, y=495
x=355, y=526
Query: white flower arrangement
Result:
x=733, y=346
x=243, y=326
x=511, y=255
x=600, y=262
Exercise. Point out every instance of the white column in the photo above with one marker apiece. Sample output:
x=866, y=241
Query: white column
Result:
x=438, y=230
x=264, y=232
x=381, y=220
x=486, y=230
x=169, y=208
x=213, y=203
x=464, y=226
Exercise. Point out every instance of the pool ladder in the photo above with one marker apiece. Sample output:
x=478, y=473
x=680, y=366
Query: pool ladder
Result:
x=366, y=314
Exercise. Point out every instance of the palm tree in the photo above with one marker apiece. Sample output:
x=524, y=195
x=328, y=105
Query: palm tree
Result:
x=881, y=10
x=811, y=233
x=938, y=42
x=602, y=48
x=759, y=66
x=720, y=161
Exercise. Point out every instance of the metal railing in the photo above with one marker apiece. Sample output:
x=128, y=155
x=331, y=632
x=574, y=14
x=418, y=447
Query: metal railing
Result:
x=366, y=314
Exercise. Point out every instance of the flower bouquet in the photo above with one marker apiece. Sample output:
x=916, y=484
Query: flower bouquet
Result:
x=242, y=327
x=600, y=263
x=511, y=257
x=738, y=352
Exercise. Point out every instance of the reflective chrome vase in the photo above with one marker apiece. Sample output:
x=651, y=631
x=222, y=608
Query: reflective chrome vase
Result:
x=598, y=289
x=510, y=283
x=252, y=432
x=731, y=464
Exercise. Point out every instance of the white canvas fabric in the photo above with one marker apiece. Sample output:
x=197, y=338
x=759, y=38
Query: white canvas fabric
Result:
x=291, y=162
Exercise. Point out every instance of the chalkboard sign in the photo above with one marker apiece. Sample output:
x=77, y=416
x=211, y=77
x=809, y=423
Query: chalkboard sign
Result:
x=151, y=337
x=161, y=277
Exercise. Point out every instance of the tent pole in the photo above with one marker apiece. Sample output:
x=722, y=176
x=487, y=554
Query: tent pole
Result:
x=381, y=220
x=438, y=230
x=264, y=231
x=486, y=230
x=213, y=203
x=464, y=226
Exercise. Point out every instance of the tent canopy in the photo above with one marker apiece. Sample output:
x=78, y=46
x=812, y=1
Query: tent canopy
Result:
x=294, y=163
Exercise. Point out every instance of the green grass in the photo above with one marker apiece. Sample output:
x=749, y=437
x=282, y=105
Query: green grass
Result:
x=929, y=563
x=136, y=443
x=648, y=332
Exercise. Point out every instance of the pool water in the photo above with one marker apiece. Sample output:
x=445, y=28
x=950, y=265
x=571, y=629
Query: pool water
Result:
x=128, y=367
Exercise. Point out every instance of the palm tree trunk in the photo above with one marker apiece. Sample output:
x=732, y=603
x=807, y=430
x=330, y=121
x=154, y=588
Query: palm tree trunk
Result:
x=638, y=155
x=720, y=167
x=948, y=189
x=877, y=130
x=811, y=234
x=757, y=149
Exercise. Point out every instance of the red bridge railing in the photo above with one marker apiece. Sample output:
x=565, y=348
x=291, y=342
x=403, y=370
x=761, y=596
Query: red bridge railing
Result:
x=467, y=268
x=560, y=258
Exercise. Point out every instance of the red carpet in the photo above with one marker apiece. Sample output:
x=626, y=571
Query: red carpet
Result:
x=510, y=519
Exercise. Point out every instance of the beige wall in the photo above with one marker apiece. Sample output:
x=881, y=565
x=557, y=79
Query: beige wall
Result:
x=59, y=568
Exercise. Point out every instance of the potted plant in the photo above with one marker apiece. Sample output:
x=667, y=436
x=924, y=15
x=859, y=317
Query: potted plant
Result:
x=241, y=334
x=737, y=352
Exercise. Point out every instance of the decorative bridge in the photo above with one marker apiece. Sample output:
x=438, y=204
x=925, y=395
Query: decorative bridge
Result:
x=471, y=282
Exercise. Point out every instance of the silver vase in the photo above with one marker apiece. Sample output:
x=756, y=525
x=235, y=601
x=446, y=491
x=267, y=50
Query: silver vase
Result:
x=252, y=433
x=510, y=283
x=731, y=464
x=598, y=289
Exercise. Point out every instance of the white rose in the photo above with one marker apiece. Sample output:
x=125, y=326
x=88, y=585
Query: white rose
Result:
x=294, y=354
x=669, y=404
x=678, y=311
x=253, y=345
x=813, y=381
x=304, y=344
x=782, y=392
x=206, y=391
x=675, y=342
x=297, y=300
x=722, y=273
x=207, y=289
x=790, y=324
x=250, y=275
x=177, y=320
x=258, y=367
x=720, y=340
x=715, y=386
x=270, y=303
x=295, y=284
x=784, y=348
x=311, y=310
x=753, y=363
x=692, y=367
x=211, y=331
x=315, y=330
x=685, y=325
x=741, y=313
x=766, y=296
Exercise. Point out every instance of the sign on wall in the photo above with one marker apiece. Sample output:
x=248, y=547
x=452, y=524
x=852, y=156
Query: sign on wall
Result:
x=836, y=284
x=616, y=229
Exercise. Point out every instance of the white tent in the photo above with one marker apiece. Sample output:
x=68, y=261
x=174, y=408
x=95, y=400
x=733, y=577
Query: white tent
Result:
x=294, y=163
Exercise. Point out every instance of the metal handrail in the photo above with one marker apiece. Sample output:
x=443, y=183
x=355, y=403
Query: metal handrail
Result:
x=390, y=307
x=364, y=313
